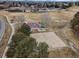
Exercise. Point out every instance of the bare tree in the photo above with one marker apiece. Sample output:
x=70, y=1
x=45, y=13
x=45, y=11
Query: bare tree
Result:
x=19, y=21
x=46, y=20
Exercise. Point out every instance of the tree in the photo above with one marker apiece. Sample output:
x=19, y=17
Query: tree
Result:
x=23, y=46
x=10, y=53
x=16, y=39
x=14, y=43
x=33, y=55
x=75, y=23
x=46, y=20
x=25, y=29
x=27, y=47
x=43, y=50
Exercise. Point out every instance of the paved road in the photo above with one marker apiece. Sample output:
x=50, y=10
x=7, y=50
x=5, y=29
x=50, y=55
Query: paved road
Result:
x=2, y=28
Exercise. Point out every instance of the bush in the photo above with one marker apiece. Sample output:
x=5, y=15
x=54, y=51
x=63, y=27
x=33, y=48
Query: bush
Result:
x=25, y=29
x=23, y=46
x=75, y=23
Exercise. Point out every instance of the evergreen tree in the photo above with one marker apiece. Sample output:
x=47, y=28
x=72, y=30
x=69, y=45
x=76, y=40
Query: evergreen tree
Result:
x=75, y=23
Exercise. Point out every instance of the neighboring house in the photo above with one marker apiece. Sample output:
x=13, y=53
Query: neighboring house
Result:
x=3, y=6
x=36, y=26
